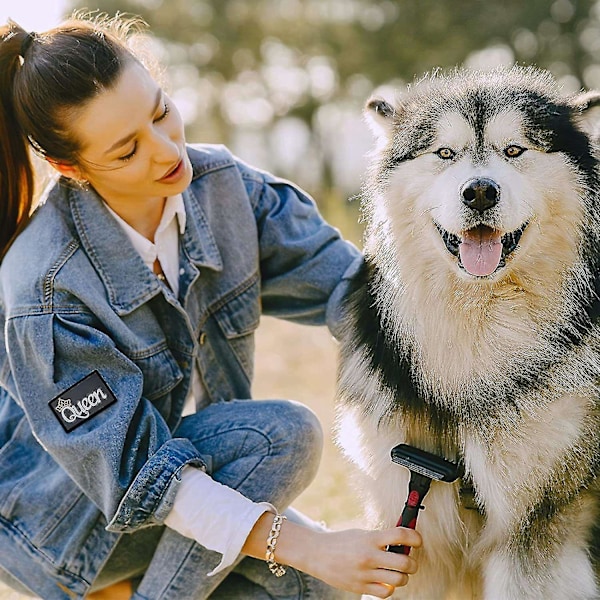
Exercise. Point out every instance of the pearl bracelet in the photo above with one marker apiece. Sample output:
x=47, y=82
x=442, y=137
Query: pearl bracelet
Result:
x=275, y=568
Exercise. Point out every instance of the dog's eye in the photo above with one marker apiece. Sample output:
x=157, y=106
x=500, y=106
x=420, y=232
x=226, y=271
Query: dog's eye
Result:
x=514, y=151
x=446, y=153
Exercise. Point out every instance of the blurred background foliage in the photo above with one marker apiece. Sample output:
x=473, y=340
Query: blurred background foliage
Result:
x=283, y=82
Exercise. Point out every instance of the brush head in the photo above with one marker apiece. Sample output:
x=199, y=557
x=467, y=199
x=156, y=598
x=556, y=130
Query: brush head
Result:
x=425, y=463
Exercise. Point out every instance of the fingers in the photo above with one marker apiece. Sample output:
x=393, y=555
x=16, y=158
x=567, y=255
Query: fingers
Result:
x=380, y=590
x=402, y=563
x=394, y=569
x=401, y=536
x=395, y=561
x=357, y=561
x=391, y=578
x=392, y=560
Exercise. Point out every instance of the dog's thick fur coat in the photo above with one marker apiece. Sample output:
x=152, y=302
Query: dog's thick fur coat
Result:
x=473, y=332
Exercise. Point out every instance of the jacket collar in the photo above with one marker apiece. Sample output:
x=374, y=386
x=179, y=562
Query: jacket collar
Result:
x=129, y=283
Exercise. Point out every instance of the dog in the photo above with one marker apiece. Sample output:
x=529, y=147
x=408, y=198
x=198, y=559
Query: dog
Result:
x=472, y=332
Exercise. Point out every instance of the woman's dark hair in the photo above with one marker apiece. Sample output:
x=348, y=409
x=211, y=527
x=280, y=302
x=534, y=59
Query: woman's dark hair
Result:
x=44, y=79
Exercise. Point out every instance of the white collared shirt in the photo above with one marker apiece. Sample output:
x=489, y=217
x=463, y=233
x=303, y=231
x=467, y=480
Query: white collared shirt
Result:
x=216, y=516
x=165, y=247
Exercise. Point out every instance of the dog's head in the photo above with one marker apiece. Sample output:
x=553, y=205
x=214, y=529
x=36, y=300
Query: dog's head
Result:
x=491, y=170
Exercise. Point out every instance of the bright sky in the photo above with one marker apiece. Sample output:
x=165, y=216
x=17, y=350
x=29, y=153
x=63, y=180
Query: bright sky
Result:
x=33, y=15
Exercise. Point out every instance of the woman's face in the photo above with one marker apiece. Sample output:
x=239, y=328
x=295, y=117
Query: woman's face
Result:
x=132, y=141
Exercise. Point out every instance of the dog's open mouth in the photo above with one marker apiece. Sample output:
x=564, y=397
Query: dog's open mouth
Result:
x=482, y=250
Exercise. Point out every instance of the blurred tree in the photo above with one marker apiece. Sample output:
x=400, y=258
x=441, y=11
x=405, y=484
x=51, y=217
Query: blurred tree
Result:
x=283, y=82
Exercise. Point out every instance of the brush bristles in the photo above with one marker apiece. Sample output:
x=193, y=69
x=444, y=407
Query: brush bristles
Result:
x=418, y=469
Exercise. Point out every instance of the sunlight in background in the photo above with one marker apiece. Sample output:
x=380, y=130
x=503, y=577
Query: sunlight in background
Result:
x=33, y=15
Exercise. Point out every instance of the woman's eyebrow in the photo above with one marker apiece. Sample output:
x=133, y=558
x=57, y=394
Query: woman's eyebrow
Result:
x=122, y=141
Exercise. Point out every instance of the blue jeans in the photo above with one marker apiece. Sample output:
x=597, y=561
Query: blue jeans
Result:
x=267, y=450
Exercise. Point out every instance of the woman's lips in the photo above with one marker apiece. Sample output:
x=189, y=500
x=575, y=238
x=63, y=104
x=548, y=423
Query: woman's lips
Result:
x=174, y=174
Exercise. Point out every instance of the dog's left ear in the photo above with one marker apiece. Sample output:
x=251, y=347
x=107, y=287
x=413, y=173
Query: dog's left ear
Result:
x=588, y=107
x=379, y=114
x=588, y=100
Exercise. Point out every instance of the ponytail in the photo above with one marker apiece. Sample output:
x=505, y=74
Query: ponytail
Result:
x=40, y=90
x=16, y=171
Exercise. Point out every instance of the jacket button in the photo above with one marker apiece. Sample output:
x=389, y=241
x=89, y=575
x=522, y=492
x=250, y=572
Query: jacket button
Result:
x=202, y=338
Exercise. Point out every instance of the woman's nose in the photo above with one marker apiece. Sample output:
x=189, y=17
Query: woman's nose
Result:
x=166, y=149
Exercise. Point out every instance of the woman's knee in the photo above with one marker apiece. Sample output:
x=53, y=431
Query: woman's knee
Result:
x=279, y=441
x=296, y=432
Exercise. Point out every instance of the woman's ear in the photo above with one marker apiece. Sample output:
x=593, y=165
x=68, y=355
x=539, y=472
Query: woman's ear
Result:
x=67, y=170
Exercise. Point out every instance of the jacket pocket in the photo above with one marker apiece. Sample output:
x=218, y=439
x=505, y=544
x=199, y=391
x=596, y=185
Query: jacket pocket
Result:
x=160, y=370
x=238, y=316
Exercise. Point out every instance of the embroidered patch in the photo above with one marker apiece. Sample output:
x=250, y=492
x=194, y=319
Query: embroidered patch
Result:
x=82, y=401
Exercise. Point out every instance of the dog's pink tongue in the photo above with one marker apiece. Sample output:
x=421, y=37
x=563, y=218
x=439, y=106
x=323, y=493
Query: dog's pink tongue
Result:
x=480, y=251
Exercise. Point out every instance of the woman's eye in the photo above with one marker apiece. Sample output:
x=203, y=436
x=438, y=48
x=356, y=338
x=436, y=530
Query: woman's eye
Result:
x=446, y=153
x=165, y=112
x=162, y=116
x=514, y=151
x=128, y=156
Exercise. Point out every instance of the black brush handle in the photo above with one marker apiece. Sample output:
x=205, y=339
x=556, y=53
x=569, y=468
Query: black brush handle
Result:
x=417, y=488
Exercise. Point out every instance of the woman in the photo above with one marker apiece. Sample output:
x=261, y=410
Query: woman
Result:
x=129, y=298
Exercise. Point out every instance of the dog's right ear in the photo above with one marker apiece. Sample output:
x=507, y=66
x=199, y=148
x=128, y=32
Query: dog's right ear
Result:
x=379, y=114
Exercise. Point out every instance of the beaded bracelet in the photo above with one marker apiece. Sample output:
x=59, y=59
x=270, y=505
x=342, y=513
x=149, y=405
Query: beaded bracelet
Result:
x=275, y=568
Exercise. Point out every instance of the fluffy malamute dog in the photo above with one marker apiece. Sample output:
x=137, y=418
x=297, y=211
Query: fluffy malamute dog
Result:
x=473, y=332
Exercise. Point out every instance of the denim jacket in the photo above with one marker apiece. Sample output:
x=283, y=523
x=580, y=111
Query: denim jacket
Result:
x=98, y=354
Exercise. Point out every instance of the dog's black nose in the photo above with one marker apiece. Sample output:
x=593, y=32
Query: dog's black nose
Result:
x=480, y=194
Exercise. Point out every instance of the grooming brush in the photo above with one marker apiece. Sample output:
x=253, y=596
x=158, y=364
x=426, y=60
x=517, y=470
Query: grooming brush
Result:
x=423, y=467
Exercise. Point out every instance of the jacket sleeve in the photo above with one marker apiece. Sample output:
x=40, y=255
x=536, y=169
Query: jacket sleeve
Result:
x=123, y=456
x=305, y=263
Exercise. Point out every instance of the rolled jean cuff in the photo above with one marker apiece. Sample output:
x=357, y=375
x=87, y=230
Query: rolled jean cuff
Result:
x=150, y=497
